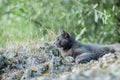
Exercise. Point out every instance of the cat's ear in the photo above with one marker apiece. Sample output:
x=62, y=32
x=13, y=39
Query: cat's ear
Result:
x=65, y=34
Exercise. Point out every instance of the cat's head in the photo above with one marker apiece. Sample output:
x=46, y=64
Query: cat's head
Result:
x=64, y=40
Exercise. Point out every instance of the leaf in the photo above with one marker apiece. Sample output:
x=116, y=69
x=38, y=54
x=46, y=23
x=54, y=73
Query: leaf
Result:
x=81, y=33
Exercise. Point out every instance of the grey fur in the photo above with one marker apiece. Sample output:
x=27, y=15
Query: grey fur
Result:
x=82, y=53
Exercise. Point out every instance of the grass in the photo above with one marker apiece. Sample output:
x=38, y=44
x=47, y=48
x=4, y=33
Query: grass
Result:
x=29, y=20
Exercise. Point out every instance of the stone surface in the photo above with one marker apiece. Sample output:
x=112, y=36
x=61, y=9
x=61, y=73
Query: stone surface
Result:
x=43, y=62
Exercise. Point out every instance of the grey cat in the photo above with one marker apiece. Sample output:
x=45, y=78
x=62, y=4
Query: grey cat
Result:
x=82, y=53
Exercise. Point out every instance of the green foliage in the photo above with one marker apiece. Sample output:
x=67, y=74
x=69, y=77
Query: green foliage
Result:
x=88, y=20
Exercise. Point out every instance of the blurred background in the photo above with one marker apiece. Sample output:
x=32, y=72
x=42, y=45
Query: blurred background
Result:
x=90, y=21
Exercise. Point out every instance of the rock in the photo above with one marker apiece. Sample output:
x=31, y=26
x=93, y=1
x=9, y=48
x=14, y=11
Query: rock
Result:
x=28, y=74
x=57, y=66
x=2, y=62
x=39, y=60
x=1, y=52
x=36, y=62
x=42, y=69
x=35, y=72
x=56, y=61
x=10, y=54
